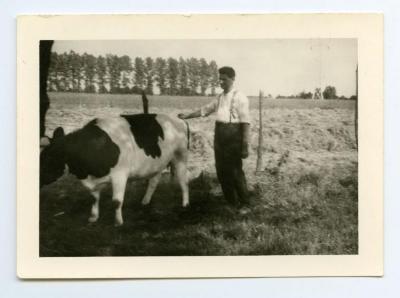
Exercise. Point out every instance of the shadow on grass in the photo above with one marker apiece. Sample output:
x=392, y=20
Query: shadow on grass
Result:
x=163, y=228
x=306, y=214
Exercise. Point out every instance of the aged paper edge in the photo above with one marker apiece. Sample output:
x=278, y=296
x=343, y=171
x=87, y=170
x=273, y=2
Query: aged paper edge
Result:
x=366, y=28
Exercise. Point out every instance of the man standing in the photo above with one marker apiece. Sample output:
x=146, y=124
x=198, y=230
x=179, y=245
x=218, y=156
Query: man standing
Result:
x=44, y=64
x=231, y=138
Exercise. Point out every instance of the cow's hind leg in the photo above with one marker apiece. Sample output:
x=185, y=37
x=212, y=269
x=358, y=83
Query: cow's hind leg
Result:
x=94, y=213
x=182, y=176
x=151, y=187
x=118, y=182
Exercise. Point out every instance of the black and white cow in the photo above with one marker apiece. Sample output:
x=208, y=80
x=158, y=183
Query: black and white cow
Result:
x=111, y=150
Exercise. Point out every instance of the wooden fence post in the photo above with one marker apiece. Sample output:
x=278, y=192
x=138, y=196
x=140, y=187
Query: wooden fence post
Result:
x=145, y=103
x=260, y=135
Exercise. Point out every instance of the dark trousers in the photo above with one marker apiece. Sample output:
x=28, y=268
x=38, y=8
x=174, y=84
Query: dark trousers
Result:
x=228, y=162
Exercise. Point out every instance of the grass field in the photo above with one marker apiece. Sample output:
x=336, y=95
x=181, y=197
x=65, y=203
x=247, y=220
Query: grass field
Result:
x=305, y=198
x=180, y=102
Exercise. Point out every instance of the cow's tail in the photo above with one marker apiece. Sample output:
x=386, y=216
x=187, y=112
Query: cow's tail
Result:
x=170, y=165
x=188, y=133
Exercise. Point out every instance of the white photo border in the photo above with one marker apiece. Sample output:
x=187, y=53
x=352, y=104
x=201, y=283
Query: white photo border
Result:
x=366, y=28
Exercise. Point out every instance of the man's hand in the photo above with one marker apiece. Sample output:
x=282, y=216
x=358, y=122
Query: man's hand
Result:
x=190, y=115
x=181, y=116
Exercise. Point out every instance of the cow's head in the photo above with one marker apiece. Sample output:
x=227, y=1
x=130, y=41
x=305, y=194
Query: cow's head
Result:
x=52, y=160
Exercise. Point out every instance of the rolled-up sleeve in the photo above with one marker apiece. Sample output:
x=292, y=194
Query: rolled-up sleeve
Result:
x=209, y=108
x=243, y=109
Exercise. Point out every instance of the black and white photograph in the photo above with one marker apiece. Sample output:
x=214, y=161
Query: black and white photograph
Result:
x=198, y=147
x=221, y=148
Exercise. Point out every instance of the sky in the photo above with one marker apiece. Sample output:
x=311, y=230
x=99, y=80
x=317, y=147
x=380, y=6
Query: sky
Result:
x=275, y=66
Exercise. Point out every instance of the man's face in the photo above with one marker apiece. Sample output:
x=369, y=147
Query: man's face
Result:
x=225, y=82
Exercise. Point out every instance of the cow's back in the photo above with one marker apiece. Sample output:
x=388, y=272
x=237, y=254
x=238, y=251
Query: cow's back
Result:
x=148, y=142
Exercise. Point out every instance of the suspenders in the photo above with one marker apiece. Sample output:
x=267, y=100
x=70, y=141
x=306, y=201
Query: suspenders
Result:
x=231, y=106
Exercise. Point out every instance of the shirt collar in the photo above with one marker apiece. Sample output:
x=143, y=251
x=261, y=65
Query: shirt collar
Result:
x=230, y=92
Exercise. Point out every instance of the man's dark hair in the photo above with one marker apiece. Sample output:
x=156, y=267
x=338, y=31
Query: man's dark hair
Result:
x=227, y=70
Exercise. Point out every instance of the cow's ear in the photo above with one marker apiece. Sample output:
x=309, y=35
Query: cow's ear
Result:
x=58, y=133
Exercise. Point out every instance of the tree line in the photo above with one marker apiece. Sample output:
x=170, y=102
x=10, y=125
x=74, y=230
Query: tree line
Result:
x=72, y=72
x=328, y=93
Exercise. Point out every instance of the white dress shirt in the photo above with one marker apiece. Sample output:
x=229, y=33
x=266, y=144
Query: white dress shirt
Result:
x=231, y=107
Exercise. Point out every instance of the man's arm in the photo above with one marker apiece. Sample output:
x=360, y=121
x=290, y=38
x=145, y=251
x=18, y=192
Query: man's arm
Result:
x=245, y=131
x=194, y=114
x=244, y=118
x=204, y=111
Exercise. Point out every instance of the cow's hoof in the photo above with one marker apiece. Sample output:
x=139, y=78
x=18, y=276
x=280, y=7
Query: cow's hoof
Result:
x=118, y=223
x=145, y=202
x=93, y=219
x=145, y=205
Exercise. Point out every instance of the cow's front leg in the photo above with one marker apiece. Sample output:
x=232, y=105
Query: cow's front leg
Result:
x=151, y=187
x=94, y=213
x=118, y=184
